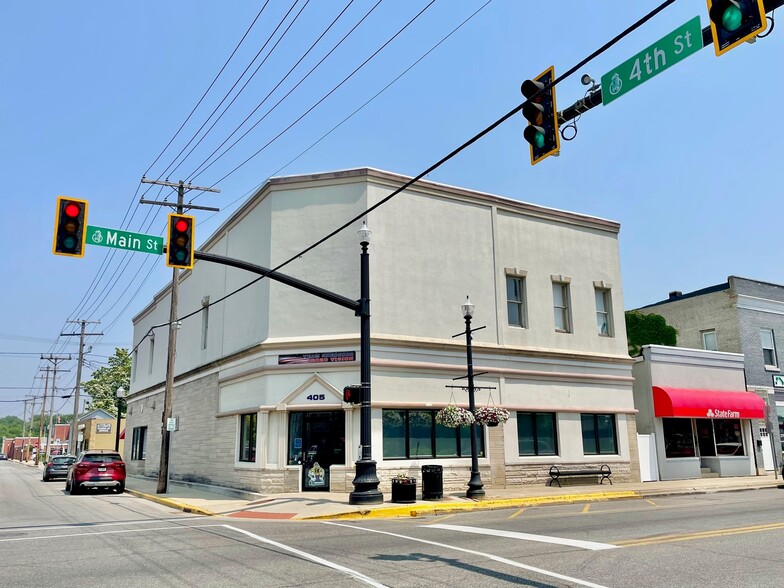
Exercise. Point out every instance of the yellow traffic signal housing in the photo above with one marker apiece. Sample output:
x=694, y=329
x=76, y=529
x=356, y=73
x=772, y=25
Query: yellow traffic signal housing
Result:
x=179, y=244
x=734, y=21
x=70, y=227
x=542, y=115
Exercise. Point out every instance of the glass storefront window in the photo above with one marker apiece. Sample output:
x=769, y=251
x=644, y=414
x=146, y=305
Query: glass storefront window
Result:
x=729, y=440
x=420, y=427
x=678, y=438
x=410, y=434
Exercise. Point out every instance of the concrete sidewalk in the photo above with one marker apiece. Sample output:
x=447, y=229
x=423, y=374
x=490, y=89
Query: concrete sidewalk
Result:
x=210, y=500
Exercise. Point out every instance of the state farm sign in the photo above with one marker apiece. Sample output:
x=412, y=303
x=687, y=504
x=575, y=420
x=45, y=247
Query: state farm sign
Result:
x=722, y=414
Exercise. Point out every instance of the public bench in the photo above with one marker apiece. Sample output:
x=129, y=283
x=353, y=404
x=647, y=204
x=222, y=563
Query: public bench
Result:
x=557, y=473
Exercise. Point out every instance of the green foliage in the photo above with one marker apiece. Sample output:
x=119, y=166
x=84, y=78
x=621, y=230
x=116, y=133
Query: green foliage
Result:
x=10, y=426
x=648, y=329
x=105, y=381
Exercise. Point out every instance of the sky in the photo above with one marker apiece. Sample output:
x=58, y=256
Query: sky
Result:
x=94, y=94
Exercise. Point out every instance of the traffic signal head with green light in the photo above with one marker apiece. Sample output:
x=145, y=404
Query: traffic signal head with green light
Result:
x=179, y=245
x=734, y=21
x=542, y=115
x=352, y=394
x=70, y=227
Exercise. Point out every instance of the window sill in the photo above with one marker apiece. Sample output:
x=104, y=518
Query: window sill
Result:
x=772, y=368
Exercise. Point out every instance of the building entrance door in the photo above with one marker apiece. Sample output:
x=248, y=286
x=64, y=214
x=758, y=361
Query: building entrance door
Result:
x=317, y=440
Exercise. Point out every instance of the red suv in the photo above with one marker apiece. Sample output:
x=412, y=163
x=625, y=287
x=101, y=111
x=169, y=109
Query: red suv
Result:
x=96, y=469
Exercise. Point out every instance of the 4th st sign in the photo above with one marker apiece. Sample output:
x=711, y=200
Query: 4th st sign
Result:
x=124, y=240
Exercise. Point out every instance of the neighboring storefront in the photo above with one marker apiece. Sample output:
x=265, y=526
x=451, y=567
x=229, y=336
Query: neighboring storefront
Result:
x=694, y=404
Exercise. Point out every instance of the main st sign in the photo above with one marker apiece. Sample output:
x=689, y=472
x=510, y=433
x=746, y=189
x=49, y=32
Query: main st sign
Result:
x=124, y=240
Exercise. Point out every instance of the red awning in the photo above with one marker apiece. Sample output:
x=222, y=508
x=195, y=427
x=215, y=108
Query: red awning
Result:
x=711, y=404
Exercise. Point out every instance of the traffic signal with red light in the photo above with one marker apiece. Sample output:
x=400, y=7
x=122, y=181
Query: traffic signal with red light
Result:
x=179, y=246
x=734, y=21
x=352, y=394
x=70, y=227
x=542, y=116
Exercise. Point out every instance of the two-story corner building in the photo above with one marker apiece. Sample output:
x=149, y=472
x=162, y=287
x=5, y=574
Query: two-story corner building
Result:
x=739, y=316
x=260, y=372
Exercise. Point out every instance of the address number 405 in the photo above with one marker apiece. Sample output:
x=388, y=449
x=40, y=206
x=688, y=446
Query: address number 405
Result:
x=315, y=397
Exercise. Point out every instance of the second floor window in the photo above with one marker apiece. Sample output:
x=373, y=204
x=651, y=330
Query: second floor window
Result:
x=603, y=317
x=561, y=307
x=515, y=301
x=709, y=340
x=768, y=348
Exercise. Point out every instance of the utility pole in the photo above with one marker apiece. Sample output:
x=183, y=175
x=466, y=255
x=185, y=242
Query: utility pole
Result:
x=30, y=430
x=55, y=360
x=74, y=428
x=41, y=421
x=163, y=470
x=23, y=456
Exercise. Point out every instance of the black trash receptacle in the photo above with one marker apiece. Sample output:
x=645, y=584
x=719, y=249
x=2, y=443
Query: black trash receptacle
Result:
x=432, y=482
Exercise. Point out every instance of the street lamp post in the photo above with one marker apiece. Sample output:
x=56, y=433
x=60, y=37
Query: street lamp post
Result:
x=120, y=396
x=365, y=480
x=475, y=485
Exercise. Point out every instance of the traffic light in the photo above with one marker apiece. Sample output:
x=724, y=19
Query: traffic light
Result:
x=542, y=116
x=352, y=394
x=179, y=246
x=734, y=21
x=70, y=227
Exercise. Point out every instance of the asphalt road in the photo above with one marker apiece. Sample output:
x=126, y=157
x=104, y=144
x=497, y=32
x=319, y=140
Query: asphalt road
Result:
x=728, y=540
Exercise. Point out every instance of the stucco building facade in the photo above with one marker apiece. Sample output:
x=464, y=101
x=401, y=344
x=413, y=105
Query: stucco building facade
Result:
x=259, y=375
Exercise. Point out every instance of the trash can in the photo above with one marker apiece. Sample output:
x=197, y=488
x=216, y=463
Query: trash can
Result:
x=404, y=490
x=432, y=482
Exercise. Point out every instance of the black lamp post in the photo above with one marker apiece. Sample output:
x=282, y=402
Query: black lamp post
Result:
x=120, y=396
x=365, y=481
x=475, y=485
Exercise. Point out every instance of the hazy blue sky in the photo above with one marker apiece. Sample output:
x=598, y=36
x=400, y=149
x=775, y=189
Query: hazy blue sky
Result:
x=93, y=91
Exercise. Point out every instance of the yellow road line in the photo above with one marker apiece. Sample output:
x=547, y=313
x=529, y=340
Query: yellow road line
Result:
x=699, y=535
x=651, y=502
x=517, y=513
x=587, y=507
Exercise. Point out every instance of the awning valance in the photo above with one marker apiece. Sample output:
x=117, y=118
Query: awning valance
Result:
x=710, y=404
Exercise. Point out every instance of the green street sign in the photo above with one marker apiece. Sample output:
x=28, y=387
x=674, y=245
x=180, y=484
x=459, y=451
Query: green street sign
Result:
x=664, y=53
x=124, y=240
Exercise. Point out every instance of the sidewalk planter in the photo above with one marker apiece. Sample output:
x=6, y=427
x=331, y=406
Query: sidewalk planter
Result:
x=404, y=490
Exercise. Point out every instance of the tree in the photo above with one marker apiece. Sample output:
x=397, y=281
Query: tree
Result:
x=11, y=426
x=648, y=329
x=105, y=381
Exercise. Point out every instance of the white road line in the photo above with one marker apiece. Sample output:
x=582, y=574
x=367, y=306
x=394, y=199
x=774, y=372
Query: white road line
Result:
x=526, y=537
x=353, y=573
x=490, y=556
x=88, y=534
x=98, y=525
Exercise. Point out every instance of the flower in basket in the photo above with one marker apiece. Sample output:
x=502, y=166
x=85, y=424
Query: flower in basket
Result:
x=491, y=415
x=454, y=416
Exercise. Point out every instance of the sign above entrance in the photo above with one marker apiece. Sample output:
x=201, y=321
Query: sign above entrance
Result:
x=328, y=357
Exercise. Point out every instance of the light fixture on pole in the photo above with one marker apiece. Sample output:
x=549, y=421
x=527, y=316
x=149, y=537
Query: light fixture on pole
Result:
x=120, y=396
x=365, y=480
x=475, y=485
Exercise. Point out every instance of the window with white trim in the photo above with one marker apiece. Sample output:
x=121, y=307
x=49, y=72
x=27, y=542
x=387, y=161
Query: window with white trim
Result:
x=603, y=315
x=152, y=354
x=768, y=348
x=561, y=307
x=709, y=340
x=515, y=301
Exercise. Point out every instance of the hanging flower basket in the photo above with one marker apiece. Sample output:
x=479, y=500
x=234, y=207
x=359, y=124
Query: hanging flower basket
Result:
x=492, y=416
x=454, y=416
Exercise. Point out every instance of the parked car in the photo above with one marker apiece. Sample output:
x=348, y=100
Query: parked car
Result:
x=3, y=456
x=58, y=467
x=96, y=469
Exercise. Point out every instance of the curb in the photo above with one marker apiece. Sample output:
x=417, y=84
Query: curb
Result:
x=491, y=504
x=171, y=503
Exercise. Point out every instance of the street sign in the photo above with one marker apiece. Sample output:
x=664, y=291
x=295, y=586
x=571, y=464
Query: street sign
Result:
x=172, y=424
x=124, y=240
x=664, y=53
x=778, y=381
